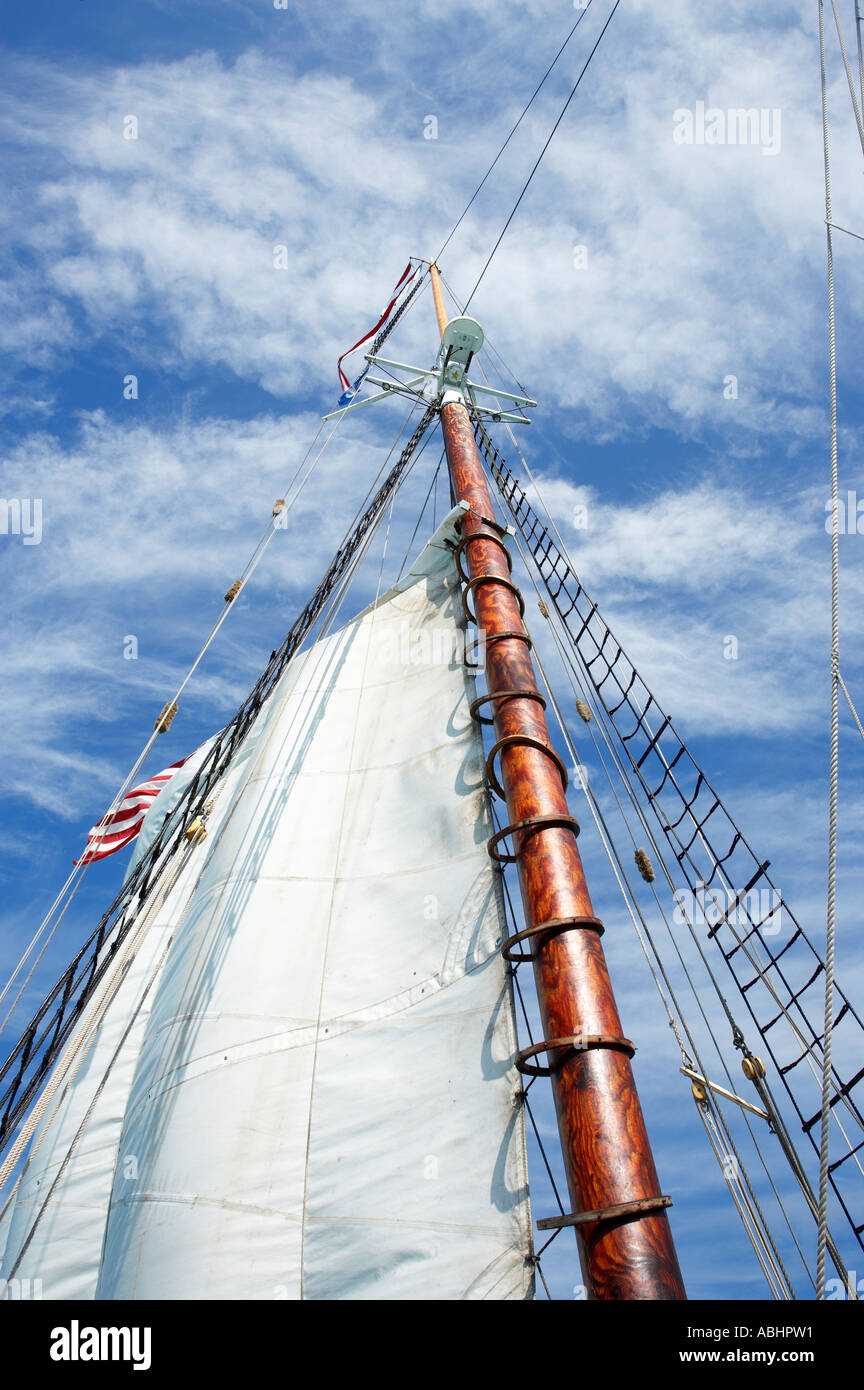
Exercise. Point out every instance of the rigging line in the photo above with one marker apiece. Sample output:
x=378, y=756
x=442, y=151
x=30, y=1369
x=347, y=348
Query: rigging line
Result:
x=855, y=107
x=760, y=966
x=613, y=754
x=598, y=818
x=739, y=1197
x=850, y=704
x=510, y=919
x=372, y=486
x=350, y=574
x=683, y=963
x=79, y=1043
x=837, y=228
x=527, y=182
x=568, y=662
x=525, y=1101
x=542, y=1278
x=80, y=869
x=93, y=1021
x=745, y=1211
x=525, y=111
x=46, y=943
x=652, y=840
x=722, y=998
x=420, y=517
x=859, y=20
x=755, y=960
x=35, y=1050
x=332, y=894
x=89, y=1111
x=824, y=1132
x=486, y=342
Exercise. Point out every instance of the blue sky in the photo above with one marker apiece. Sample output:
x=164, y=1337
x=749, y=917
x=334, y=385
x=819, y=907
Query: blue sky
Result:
x=305, y=128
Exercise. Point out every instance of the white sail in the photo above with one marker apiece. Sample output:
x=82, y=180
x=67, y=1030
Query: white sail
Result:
x=323, y=1101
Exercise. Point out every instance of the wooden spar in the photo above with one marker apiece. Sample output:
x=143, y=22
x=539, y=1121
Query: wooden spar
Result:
x=607, y=1155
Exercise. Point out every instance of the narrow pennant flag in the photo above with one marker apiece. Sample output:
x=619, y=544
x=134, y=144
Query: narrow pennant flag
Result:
x=118, y=829
x=349, y=391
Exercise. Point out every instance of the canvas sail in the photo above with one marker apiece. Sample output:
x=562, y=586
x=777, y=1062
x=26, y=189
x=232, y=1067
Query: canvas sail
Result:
x=318, y=1099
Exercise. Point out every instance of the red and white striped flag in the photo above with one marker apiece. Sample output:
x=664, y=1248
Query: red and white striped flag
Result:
x=116, y=830
x=349, y=391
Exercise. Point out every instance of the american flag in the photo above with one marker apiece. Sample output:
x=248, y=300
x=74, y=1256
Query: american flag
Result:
x=116, y=830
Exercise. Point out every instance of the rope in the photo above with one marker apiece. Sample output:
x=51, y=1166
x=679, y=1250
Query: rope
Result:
x=373, y=616
x=736, y=1031
x=34, y=1053
x=89, y=1112
x=524, y=113
x=527, y=182
x=855, y=107
x=638, y=810
x=850, y=704
x=824, y=1133
x=607, y=840
x=838, y=228
x=763, y=1233
x=80, y=1041
x=420, y=517
x=78, y=872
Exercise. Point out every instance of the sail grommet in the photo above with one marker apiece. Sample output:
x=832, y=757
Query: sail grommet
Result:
x=520, y=741
x=490, y=579
x=547, y=929
x=488, y=638
x=532, y=826
x=578, y=1042
x=644, y=1206
x=479, y=536
x=503, y=695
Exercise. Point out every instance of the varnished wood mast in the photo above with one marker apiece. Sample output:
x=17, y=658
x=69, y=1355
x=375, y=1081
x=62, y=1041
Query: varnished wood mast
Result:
x=628, y=1255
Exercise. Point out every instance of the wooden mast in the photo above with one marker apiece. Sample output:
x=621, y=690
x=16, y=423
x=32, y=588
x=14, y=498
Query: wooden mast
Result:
x=626, y=1254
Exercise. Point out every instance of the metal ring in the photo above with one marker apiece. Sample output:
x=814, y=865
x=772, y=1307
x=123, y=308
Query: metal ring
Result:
x=533, y=825
x=551, y=928
x=490, y=579
x=525, y=741
x=643, y=1207
x=577, y=1042
x=479, y=536
x=504, y=695
x=494, y=637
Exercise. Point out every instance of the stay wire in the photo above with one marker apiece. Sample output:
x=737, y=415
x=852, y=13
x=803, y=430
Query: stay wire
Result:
x=766, y=1239
x=849, y=79
x=75, y=877
x=824, y=1132
x=524, y=113
x=537, y=162
x=671, y=935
